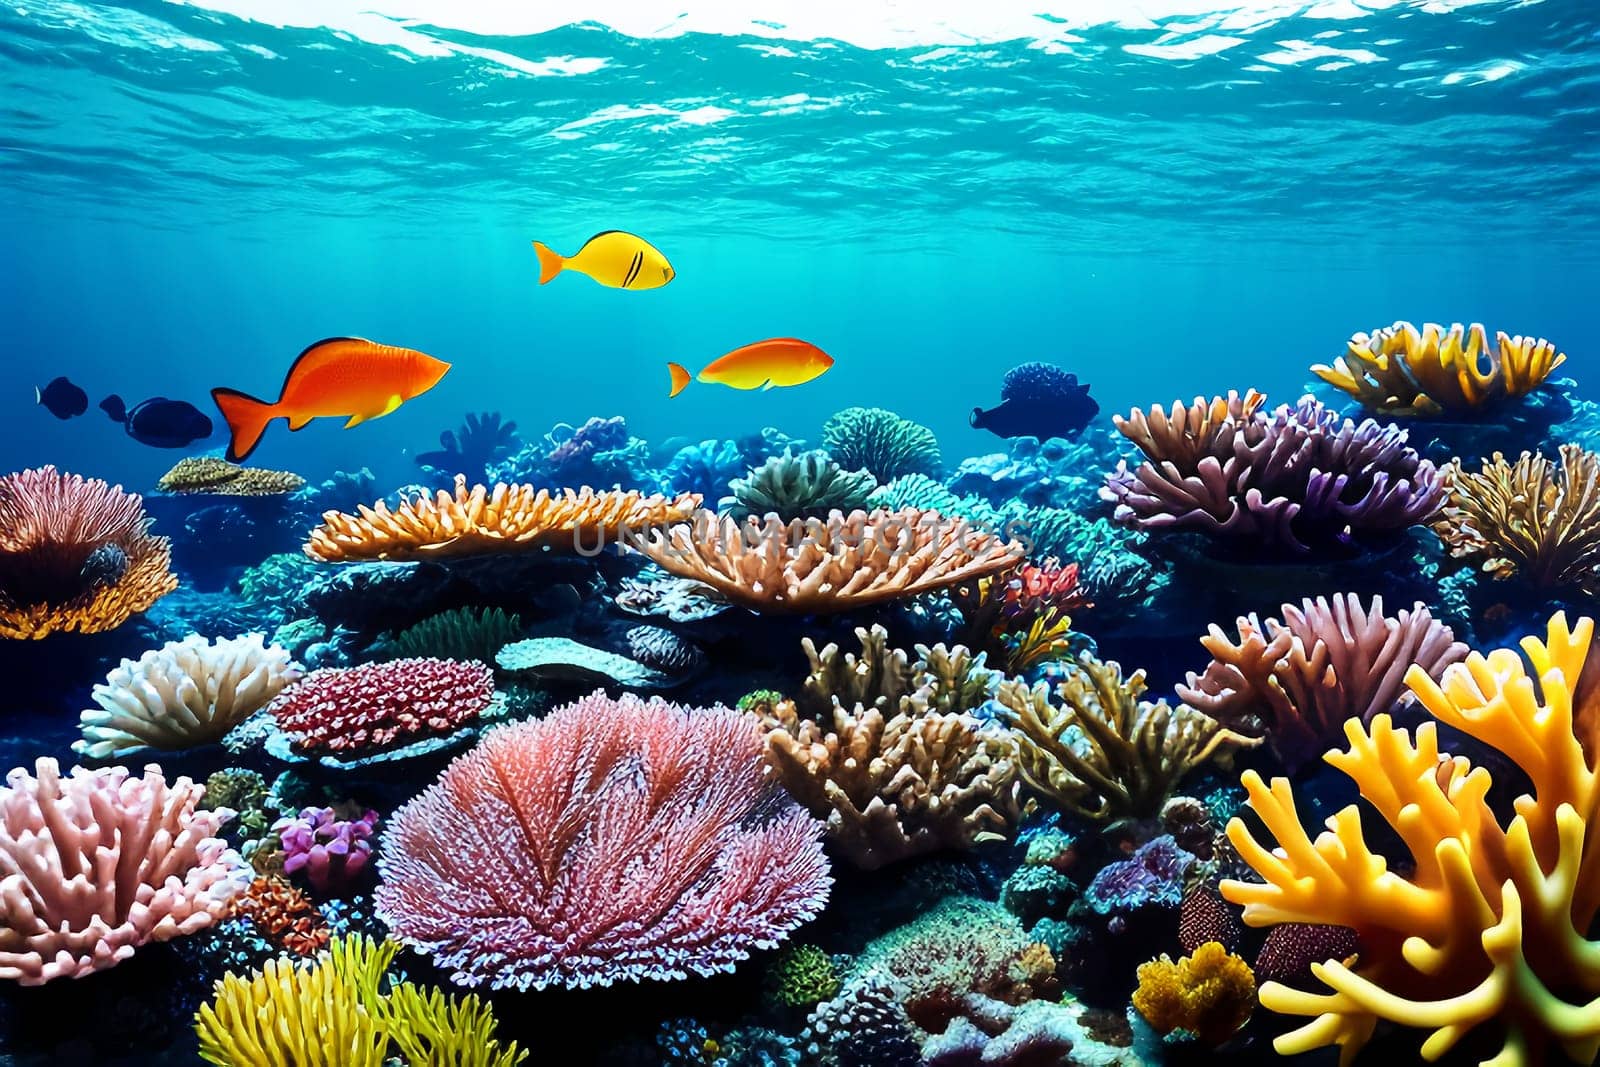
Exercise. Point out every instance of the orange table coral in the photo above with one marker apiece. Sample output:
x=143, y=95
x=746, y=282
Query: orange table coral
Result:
x=75, y=555
x=1493, y=927
x=1400, y=370
x=481, y=521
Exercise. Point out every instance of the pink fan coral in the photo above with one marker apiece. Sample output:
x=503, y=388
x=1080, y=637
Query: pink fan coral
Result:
x=380, y=705
x=98, y=863
x=610, y=841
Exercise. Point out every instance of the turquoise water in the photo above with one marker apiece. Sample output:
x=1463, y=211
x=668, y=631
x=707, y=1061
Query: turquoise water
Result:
x=1166, y=205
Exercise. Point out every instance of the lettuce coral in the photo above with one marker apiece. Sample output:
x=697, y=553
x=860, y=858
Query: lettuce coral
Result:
x=1494, y=927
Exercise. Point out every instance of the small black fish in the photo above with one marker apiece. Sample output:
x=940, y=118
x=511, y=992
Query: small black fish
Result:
x=62, y=399
x=159, y=422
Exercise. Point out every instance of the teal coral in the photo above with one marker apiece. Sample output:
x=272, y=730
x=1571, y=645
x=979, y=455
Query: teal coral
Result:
x=272, y=589
x=881, y=442
x=462, y=633
x=807, y=486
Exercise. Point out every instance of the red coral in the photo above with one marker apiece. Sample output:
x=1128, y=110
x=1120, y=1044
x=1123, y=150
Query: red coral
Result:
x=610, y=841
x=283, y=915
x=1034, y=586
x=1205, y=916
x=380, y=705
x=1291, y=948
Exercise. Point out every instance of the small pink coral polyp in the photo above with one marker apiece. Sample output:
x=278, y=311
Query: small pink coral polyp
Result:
x=382, y=705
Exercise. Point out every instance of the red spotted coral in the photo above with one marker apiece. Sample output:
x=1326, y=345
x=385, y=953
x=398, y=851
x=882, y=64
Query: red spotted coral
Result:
x=98, y=863
x=382, y=705
x=610, y=841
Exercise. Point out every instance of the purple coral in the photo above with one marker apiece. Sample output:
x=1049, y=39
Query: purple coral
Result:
x=333, y=852
x=1151, y=877
x=1299, y=481
x=596, y=435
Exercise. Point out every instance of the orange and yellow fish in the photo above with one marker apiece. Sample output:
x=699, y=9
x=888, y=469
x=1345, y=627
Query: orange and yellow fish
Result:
x=614, y=258
x=762, y=365
x=342, y=377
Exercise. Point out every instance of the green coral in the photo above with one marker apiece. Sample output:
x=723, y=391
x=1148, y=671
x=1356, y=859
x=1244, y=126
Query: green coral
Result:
x=271, y=589
x=807, y=486
x=461, y=633
x=298, y=635
x=759, y=701
x=881, y=442
x=801, y=976
x=235, y=788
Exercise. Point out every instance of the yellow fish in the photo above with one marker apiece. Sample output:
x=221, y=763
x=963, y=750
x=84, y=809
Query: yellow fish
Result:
x=762, y=365
x=614, y=258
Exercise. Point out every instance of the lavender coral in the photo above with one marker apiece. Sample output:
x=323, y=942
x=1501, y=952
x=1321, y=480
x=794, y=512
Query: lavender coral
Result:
x=99, y=863
x=330, y=851
x=610, y=841
x=1297, y=482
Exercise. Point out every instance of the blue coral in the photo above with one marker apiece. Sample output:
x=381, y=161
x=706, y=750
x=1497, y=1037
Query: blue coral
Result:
x=1050, y=473
x=705, y=468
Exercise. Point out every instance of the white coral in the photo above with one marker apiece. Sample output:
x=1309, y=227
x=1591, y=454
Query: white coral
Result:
x=184, y=694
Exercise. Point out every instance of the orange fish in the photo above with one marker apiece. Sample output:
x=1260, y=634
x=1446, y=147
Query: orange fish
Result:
x=762, y=365
x=342, y=377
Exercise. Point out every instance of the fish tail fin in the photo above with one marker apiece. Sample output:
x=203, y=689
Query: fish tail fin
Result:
x=550, y=263
x=115, y=408
x=680, y=378
x=247, y=420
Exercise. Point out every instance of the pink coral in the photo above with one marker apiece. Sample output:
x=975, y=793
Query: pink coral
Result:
x=380, y=705
x=331, y=851
x=610, y=841
x=96, y=864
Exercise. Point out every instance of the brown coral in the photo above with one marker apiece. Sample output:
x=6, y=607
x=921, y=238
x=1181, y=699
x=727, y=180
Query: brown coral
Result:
x=218, y=477
x=1295, y=682
x=896, y=764
x=1104, y=753
x=815, y=566
x=481, y=521
x=1400, y=370
x=1528, y=519
x=75, y=555
x=284, y=916
x=1209, y=994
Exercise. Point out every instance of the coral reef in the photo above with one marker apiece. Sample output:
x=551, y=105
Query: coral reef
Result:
x=706, y=469
x=484, y=521
x=1209, y=994
x=217, y=477
x=1400, y=370
x=640, y=838
x=75, y=555
x=364, y=709
x=1022, y=617
x=1103, y=753
x=1296, y=682
x=481, y=441
x=183, y=694
x=1152, y=877
x=460, y=633
x=881, y=443
x=568, y=660
x=332, y=852
x=1038, y=400
x=1050, y=473
x=847, y=562
x=664, y=650
x=283, y=915
x=801, y=976
x=807, y=486
x=98, y=863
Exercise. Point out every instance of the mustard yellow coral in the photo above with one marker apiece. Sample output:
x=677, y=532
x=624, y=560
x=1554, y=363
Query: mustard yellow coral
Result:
x=1400, y=370
x=1209, y=994
x=1493, y=926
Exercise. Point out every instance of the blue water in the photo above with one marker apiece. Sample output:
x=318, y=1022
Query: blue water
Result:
x=1168, y=206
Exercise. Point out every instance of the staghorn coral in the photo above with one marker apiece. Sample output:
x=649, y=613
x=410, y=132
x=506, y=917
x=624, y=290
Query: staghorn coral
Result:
x=847, y=562
x=217, y=477
x=1297, y=482
x=1434, y=372
x=460, y=633
x=183, y=694
x=807, y=486
x=628, y=840
x=881, y=443
x=99, y=863
x=283, y=915
x=375, y=706
x=1295, y=682
x=894, y=761
x=1209, y=994
x=75, y=555
x=1527, y=519
x=1104, y=753
x=1494, y=926
x=506, y=518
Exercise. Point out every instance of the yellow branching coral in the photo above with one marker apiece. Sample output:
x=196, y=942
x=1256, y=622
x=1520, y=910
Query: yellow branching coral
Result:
x=217, y=477
x=1528, y=519
x=482, y=521
x=1400, y=370
x=336, y=1013
x=1104, y=753
x=1209, y=994
x=1494, y=926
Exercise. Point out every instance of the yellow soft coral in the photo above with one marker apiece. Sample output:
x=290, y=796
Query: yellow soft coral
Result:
x=1401, y=370
x=1209, y=994
x=1492, y=926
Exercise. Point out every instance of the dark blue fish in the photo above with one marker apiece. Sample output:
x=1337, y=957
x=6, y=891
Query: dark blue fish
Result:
x=1038, y=400
x=62, y=399
x=159, y=422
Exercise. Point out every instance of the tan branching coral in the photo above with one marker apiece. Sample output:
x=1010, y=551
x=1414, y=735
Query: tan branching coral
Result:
x=815, y=566
x=482, y=521
x=897, y=764
x=1104, y=753
x=218, y=477
x=1400, y=370
x=1527, y=519
x=75, y=555
x=183, y=694
x=1295, y=682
